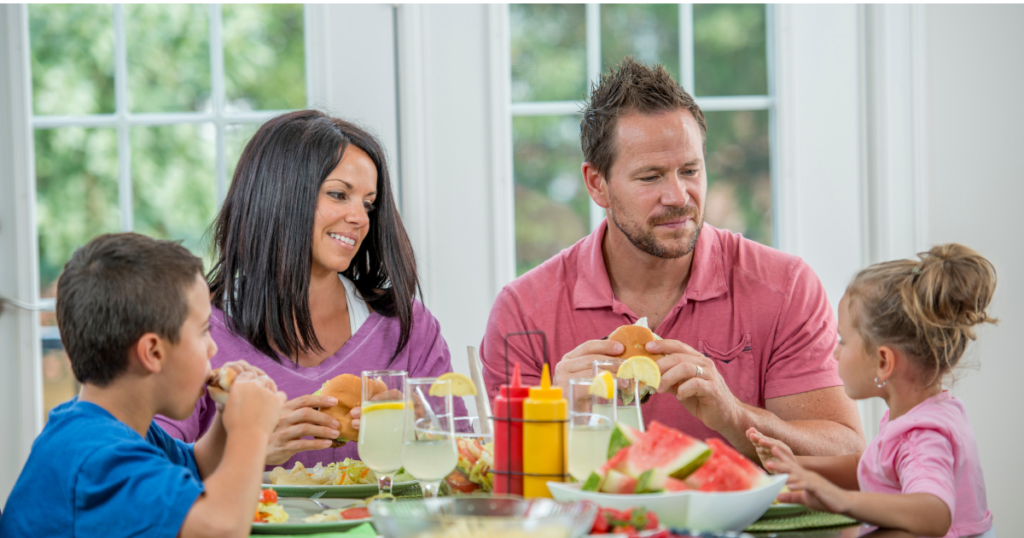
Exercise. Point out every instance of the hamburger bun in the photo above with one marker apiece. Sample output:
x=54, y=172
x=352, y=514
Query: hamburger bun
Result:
x=634, y=338
x=219, y=384
x=348, y=389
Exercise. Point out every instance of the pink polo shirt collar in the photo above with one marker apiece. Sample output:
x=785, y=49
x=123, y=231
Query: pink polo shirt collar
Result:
x=593, y=289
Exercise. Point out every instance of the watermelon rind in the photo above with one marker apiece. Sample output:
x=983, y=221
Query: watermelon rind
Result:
x=646, y=483
x=593, y=483
x=616, y=482
x=669, y=452
x=622, y=436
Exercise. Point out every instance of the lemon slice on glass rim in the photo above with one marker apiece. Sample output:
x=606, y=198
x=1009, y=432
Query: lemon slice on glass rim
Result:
x=603, y=386
x=379, y=406
x=642, y=369
x=458, y=384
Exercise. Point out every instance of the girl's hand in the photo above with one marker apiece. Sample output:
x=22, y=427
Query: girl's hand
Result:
x=810, y=489
x=766, y=448
x=299, y=418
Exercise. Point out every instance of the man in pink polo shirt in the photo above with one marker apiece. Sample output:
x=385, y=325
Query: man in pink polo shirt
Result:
x=748, y=330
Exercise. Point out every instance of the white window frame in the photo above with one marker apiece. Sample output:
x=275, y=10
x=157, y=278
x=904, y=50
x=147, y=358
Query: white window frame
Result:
x=123, y=120
x=732, y=103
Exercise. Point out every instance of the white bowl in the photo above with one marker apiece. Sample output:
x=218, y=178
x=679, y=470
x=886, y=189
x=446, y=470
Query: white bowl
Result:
x=694, y=510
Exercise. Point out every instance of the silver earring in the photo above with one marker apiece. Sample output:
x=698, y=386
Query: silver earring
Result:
x=880, y=385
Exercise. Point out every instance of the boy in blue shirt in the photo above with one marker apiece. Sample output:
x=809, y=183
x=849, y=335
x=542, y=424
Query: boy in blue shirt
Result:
x=134, y=318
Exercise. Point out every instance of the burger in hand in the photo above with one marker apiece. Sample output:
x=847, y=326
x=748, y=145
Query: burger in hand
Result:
x=347, y=388
x=219, y=383
x=634, y=338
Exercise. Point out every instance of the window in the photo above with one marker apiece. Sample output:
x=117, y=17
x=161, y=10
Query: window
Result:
x=140, y=114
x=720, y=53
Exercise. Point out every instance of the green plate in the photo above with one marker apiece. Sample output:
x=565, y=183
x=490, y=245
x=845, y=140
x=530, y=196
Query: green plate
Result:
x=298, y=509
x=335, y=492
x=784, y=509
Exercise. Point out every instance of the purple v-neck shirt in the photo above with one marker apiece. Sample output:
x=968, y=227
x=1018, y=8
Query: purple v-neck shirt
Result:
x=370, y=348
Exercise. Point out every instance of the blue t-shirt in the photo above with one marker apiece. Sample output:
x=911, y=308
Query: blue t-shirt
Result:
x=89, y=474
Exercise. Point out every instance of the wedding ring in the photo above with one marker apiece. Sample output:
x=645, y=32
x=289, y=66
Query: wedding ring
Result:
x=700, y=372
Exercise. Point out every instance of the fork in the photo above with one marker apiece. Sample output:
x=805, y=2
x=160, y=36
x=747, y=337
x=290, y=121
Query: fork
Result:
x=313, y=499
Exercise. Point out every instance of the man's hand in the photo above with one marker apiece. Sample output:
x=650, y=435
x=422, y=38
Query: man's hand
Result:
x=767, y=447
x=299, y=418
x=697, y=385
x=578, y=363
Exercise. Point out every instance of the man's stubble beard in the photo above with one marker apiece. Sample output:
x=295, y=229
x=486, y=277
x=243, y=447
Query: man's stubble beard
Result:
x=645, y=240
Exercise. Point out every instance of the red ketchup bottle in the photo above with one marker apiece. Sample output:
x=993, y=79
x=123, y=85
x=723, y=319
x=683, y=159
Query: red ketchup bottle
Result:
x=508, y=436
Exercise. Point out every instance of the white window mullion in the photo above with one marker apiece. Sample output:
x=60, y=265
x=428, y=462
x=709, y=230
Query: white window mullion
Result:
x=686, y=68
x=219, y=98
x=593, y=14
x=124, y=155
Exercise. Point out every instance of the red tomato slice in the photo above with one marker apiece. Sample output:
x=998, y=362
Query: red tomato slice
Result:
x=355, y=513
x=458, y=480
x=268, y=496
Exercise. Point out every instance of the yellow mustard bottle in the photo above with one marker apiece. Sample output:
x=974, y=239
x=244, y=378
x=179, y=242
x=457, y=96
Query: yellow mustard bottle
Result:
x=544, y=443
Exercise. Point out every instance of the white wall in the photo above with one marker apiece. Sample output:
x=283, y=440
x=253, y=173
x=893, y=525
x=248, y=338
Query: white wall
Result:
x=455, y=161
x=976, y=164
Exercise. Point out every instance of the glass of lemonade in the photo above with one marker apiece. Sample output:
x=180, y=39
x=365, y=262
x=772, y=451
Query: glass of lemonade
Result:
x=627, y=396
x=381, y=425
x=589, y=432
x=429, y=453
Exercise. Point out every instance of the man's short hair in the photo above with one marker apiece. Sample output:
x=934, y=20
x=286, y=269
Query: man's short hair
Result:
x=115, y=289
x=630, y=87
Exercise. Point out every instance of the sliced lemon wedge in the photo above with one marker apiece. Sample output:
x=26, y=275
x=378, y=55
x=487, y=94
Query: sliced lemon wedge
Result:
x=379, y=406
x=460, y=385
x=603, y=386
x=642, y=369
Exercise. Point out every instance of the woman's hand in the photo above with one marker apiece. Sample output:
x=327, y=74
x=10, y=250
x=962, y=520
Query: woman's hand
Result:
x=356, y=412
x=299, y=418
x=766, y=448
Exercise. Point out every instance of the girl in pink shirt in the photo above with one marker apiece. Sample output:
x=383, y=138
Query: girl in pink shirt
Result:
x=904, y=325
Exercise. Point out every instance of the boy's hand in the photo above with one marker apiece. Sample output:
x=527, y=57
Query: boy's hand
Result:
x=767, y=447
x=241, y=367
x=809, y=488
x=251, y=404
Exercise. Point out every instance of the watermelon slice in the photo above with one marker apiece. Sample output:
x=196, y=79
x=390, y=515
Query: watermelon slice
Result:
x=672, y=484
x=617, y=482
x=665, y=451
x=622, y=436
x=726, y=470
x=597, y=477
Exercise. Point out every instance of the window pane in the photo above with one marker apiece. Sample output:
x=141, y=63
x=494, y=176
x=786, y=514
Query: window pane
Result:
x=264, y=57
x=549, y=52
x=59, y=384
x=650, y=32
x=236, y=136
x=739, y=182
x=72, y=58
x=729, y=49
x=76, y=194
x=173, y=184
x=552, y=204
x=168, y=57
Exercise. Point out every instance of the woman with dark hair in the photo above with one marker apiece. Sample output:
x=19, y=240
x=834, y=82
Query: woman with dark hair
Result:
x=314, y=277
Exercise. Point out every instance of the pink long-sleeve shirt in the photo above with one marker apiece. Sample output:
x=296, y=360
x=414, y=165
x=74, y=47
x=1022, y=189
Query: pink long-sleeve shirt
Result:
x=930, y=449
